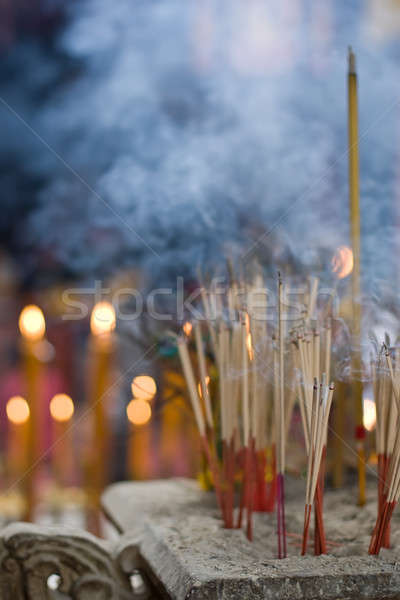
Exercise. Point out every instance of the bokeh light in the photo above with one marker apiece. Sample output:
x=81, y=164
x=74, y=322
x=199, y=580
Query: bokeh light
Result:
x=102, y=319
x=343, y=262
x=138, y=412
x=143, y=387
x=32, y=324
x=61, y=407
x=369, y=417
x=17, y=410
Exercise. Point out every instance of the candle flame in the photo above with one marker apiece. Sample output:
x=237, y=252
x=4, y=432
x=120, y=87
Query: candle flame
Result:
x=31, y=323
x=102, y=319
x=187, y=328
x=343, y=262
x=138, y=412
x=143, y=387
x=369, y=418
x=17, y=410
x=61, y=408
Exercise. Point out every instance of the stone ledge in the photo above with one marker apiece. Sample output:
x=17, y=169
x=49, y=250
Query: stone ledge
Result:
x=196, y=559
x=180, y=538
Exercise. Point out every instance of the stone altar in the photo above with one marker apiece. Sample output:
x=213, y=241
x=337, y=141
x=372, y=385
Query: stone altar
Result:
x=185, y=552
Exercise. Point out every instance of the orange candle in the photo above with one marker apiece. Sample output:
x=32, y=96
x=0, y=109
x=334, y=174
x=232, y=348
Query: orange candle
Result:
x=102, y=325
x=32, y=327
x=139, y=414
x=61, y=410
x=17, y=410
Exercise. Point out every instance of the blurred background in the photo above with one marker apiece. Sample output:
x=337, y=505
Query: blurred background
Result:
x=143, y=141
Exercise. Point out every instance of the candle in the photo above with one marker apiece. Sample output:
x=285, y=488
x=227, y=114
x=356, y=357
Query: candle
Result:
x=102, y=325
x=139, y=451
x=61, y=410
x=17, y=410
x=173, y=451
x=354, y=198
x=32, y=327
x=144, y=389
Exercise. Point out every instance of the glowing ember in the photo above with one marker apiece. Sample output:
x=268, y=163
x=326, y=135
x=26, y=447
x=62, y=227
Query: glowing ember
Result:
x=249, y=342
x=143, y=387
x=369, y=417
x=187, y=328
x=102, y=319
x=61, y=407
x=199, y=385
x=343, y=262
x=31, y=323
x=138, y=412
x=17, y=410
x=249, y=345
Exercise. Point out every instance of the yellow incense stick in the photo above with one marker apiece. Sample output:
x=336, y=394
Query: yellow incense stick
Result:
x=354, y=197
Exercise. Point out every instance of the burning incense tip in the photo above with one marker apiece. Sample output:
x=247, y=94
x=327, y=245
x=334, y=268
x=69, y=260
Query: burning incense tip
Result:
x=187, y=328
x=352, y=62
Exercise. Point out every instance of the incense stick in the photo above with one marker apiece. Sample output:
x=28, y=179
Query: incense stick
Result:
x=388, y=447
x=280, y=412
x=203, y=374
x=321, y=405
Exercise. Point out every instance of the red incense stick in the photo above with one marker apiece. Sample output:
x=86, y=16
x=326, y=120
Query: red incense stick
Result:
x=319, y=531
x=281, y=516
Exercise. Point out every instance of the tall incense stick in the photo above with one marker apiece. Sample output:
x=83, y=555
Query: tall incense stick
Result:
x=354, y=197
x=281, y=432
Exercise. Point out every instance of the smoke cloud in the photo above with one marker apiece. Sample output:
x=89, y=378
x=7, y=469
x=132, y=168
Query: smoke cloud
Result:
x=214, y=128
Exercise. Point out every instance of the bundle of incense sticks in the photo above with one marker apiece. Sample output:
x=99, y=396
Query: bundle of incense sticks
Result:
x=199, y=416
x=257, y=379
x=258, y=433
x=262, y=379
x=316, y=435
x=242, y=349
x=386, y=386
x=229, y=358
x=306, y=347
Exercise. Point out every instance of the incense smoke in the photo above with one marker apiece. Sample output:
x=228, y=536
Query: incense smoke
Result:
x=202, y=126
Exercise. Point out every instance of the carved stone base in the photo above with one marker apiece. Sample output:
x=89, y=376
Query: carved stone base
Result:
x=85, y=567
